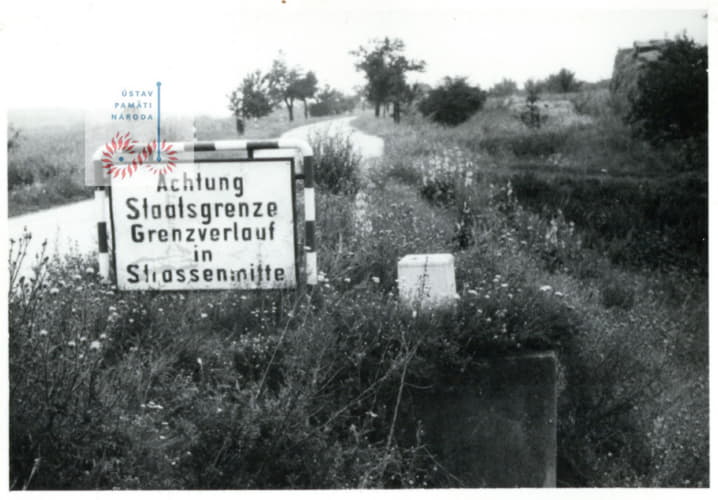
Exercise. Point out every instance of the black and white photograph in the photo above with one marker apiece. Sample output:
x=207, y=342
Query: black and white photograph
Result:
x=282, y=245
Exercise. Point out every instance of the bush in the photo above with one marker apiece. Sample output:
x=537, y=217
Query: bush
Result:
x=671, y=101
x=452, y=103
x=562, y=82
x=18, y=176
x=336, y=163
x=531, y=116
x=527, y=144
x=651, y=223
x=332, y=102
x=504, y=88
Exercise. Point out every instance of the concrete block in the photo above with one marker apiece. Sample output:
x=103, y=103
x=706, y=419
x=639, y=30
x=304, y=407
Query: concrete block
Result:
x=498, y=428
x=427, y=280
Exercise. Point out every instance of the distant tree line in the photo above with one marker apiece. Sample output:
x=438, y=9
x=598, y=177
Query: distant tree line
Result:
x=283, y=86
x=670, y=104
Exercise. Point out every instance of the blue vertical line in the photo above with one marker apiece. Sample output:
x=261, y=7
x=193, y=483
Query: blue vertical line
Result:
x=159, y=158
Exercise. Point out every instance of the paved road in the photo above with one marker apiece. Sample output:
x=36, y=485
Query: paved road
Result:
x=368, y=145
x=73, y=227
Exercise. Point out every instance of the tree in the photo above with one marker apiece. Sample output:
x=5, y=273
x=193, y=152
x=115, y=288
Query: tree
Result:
x=385, y=68
x=305, y=88
x=453, y=102
x=331, y=102
x=288, y=84
x=562, y=82
x=504, y=88
x=283, y=85
x=671, y=100
x=250, y=100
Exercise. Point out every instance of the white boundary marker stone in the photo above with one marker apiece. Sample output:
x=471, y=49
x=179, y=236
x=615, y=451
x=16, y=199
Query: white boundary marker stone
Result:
x=427, y=280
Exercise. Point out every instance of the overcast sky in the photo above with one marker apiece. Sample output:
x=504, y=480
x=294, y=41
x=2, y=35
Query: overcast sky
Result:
x=80, y=53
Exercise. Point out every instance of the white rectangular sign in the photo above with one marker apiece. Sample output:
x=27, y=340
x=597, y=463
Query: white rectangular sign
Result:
x=206, y=226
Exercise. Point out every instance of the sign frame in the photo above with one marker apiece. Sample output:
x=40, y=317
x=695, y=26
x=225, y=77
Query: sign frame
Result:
x=297, y=153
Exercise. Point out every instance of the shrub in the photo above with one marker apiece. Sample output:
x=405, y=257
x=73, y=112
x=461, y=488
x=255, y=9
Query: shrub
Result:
x=336, y=163
x=671, y=101
x=453, y=102
x=531, y=116
x=504, y=88
x=562, y=82
x=655, y=223
x=526, y=144
x=18, y=176
x=332, y=102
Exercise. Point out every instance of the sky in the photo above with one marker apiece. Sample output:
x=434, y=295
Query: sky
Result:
x=83, y=53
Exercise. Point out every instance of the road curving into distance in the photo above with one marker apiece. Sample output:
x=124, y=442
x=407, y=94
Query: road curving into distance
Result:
x=72, y=228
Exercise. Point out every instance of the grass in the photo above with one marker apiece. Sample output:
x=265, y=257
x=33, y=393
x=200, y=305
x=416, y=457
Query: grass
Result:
x=311, y=388
x=46, y=166
x=620, y=237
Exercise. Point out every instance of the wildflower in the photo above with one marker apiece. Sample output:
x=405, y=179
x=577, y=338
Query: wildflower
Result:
x=545, y=288
x=413, y=313
x=375, y=279
x=203, y=315
x=82, y=339
x=90, y=270
x=71, y=343
x=54, y=291
x=76, y=277
x=43, y=332
x=103, y=336
x=504, y=285
x=112, y=309
x=472, y=292
x=558, y=294
x=95, y=345
x=347, y=280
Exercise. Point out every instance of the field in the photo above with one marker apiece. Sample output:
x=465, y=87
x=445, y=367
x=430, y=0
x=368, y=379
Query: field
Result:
x=574, y=237
x=46, y=166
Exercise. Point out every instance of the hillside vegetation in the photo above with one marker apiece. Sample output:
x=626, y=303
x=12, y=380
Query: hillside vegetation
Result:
x=614, y=230
x=573, y=236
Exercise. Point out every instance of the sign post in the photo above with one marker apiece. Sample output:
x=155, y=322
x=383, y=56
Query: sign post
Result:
x=217, y=216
